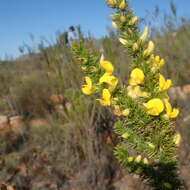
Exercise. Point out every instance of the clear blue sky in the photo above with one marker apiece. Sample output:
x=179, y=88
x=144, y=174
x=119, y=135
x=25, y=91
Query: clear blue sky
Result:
x=20, y=18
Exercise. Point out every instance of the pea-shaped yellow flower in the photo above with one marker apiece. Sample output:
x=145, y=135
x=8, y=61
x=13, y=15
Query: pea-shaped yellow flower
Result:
x=163, y=83
x=106, y=98
x=170, y=113
x=154, y=106
x=135, y=92
x=111, y=80
x=88, y=88
x=136, y=77
x=107, y=66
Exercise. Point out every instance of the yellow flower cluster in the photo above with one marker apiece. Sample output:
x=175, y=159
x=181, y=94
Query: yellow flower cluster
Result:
x=154, y=106
x=107, y=78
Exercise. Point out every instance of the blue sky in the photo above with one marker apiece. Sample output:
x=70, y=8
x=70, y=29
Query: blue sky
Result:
x=42, y=18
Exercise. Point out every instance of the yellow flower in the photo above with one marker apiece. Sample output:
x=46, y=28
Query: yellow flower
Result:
x=154, y=106
x=163, y=83
x=149, y=49
x=119, y=113
x=170, y=113
x=144, y=35
x=160, y=62
x=136, y=77
x=107, y=66
x=88, y=88
x=135, y=92
x=125, y=135
x=109, y=79
x=106, y=98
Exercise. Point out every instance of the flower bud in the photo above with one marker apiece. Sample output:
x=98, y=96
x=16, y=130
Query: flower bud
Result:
x=144, y=35
x=149, y=50
x=145, y=161
x=130, y=159
x=151, y=145
x=162, y=62
x=138, y=158
x=102, y=58
x=125, y=135
x=123, y=19
x=112, y=3
x=157, y=58
x=135, y=47
x=122, y=5
x=125, y=112
x=124, y=42
x=177, y=139
x=133, y=21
